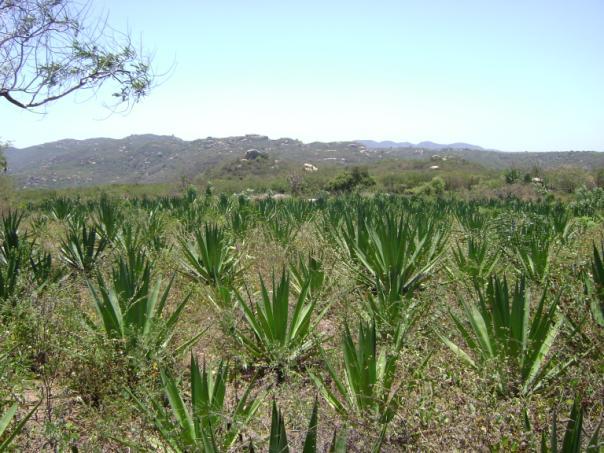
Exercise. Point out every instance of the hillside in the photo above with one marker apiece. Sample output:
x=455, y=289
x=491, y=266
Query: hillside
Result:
x=153, y=158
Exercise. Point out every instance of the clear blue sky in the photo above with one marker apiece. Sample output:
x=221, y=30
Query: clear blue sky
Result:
x=511, y=75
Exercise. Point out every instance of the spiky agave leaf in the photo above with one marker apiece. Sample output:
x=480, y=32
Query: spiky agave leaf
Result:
x=108, y=218
x=388, y=247
x=82, y=247
x=10, y=234
x=131, y=308
x=283, y=227
x=500, y=330
x=279, y=337
x=204, y=425
x=43, y=270
x=394, y=310
x=573, y=435
x=212, y=258
x=9, y=273
x=5, y=421
x=278, y=437
x=366, y=389
x=309, y=268
x=597, y=290
x=476, y=261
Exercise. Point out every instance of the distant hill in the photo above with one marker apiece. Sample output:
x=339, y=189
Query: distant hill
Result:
x=154, y=158
x=422, y=145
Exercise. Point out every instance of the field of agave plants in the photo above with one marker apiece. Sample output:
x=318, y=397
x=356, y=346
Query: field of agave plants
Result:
x=219, y=323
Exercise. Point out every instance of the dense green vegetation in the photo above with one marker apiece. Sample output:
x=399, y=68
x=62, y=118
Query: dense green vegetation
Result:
x=212, y=322
x=452, y=177
x=427, y=176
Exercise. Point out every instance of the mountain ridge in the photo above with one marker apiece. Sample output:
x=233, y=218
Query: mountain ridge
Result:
x=424, y=144
x=150, y=158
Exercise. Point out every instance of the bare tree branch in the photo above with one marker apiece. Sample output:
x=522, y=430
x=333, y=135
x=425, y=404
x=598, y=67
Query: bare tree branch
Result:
x=49, y=49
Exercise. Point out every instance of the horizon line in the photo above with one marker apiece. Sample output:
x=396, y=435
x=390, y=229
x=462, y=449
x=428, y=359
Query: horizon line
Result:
x=412, y=145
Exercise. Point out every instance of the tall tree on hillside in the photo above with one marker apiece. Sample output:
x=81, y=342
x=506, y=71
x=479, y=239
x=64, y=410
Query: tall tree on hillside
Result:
x=52, y=48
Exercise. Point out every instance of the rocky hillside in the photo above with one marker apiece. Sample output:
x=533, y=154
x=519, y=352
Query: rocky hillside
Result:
x=152, y=158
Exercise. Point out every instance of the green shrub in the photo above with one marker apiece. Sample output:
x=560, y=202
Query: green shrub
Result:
x=436, y=186
x=512, y=176
x=352, y=179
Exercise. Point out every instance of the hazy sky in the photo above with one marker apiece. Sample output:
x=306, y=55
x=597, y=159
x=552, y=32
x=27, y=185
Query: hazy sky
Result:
x=512, y=75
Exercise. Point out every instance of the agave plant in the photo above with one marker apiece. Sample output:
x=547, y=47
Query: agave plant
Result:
x=388, y=249
x=43, y=270
x=191, y=216
x=212, y=258
x=10, y=234
x=278, y=336
x=205, y=426
x=130, y=238
x=82, y=247
x=366, y=389
x=573, y=435
x=241, y=221
x=266, y=207
x=61, y=208
x=109, y=218
x=395, y=313
x=9, y=272
x=597, y=289
x=300, y=210
x=131, y=309
x=38, y=224
x=131, y=275
x=534, y=257
x=224, y=203
x=353, y=232
x=472, y=220
x=7, y=438
x=309, y=269
x=562, y=223
x=330, y=223
x=499, y=331
x=476, y=261
x=278, y=436
x=154, y=230
x=282, y=227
